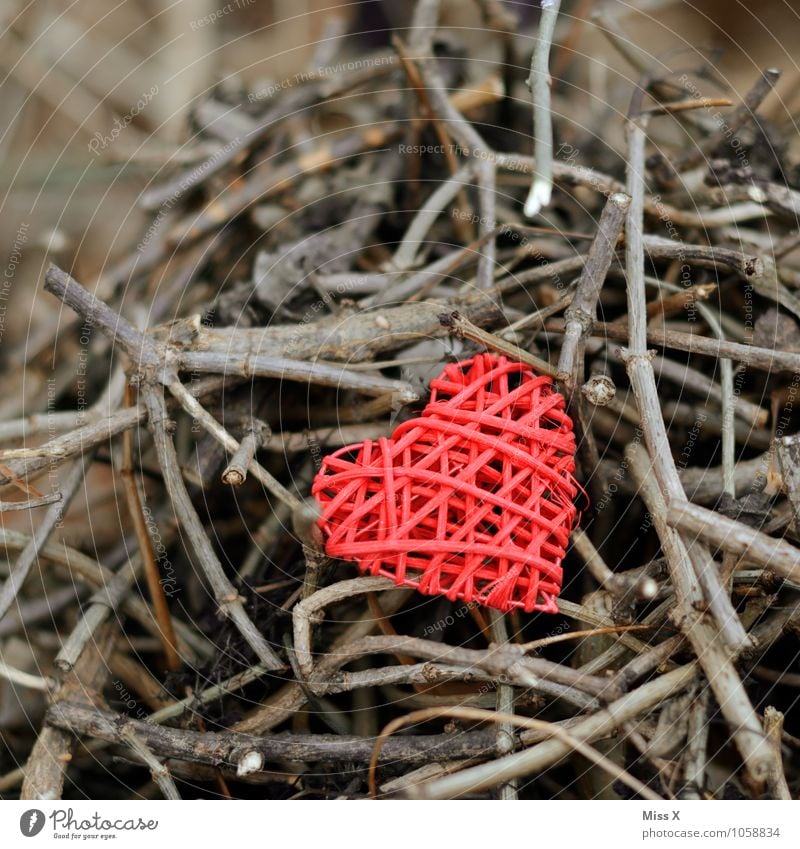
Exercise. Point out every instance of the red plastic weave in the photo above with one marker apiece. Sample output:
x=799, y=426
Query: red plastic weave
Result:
x=474, y=499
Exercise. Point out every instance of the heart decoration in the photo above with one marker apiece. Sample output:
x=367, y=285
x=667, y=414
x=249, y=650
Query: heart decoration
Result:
x=473, y=500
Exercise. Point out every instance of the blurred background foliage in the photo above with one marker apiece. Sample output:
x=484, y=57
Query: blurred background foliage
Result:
x=74, y=73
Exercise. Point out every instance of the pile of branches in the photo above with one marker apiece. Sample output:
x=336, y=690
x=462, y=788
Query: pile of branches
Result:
x=354, y=231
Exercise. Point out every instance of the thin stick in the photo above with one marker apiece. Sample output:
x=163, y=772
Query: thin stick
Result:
x=230, y=604
x=642, y=586
x=154, y=586
x=256, y=433
x=539, y=82
x=425, y=45
x=686, y=105
x=640, y=371
x=45, y=771
x=626, y=46
x=539, y=315
x=696, y=748
x=77, y=442
x=743, y=113
x=764, y=359
x=597, y=181
x=504, y=705
x=176, y=709
x=118, y=329
x=581, y=313
x=54, y=515
x=24, y=679
x=649, y=657
x=749, y=266
x=418, y=285
x=45, y=607
x=306, y=529
x=9, y=506
x=698, y=382
x=107, y=599
x=542, y=755
x=308, y=612
x=750, y=545
x=320, y=373
x=534, y=645
x=231, y=747
x=75, y=564
x=195, y=409
x=706, y=640
x=209, y=694
x=9, y=476
x=776, y=781
x=158, y=771
x=487, y=188
x=462, y=327
x=667, y=305
x=447, y=110
x=509, y=660
x=423, y=25
x=548, y=728
x=406, y=255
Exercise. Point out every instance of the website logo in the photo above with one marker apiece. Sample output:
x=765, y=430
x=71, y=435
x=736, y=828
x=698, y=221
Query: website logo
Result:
x=31, y=822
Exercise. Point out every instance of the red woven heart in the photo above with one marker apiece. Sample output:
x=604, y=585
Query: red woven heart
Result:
x=473, y=500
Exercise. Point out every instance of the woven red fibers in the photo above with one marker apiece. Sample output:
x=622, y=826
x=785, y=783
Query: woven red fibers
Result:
x=474, y=499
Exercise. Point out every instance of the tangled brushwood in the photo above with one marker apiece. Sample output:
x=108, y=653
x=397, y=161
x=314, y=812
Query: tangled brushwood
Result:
x=170, y=621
